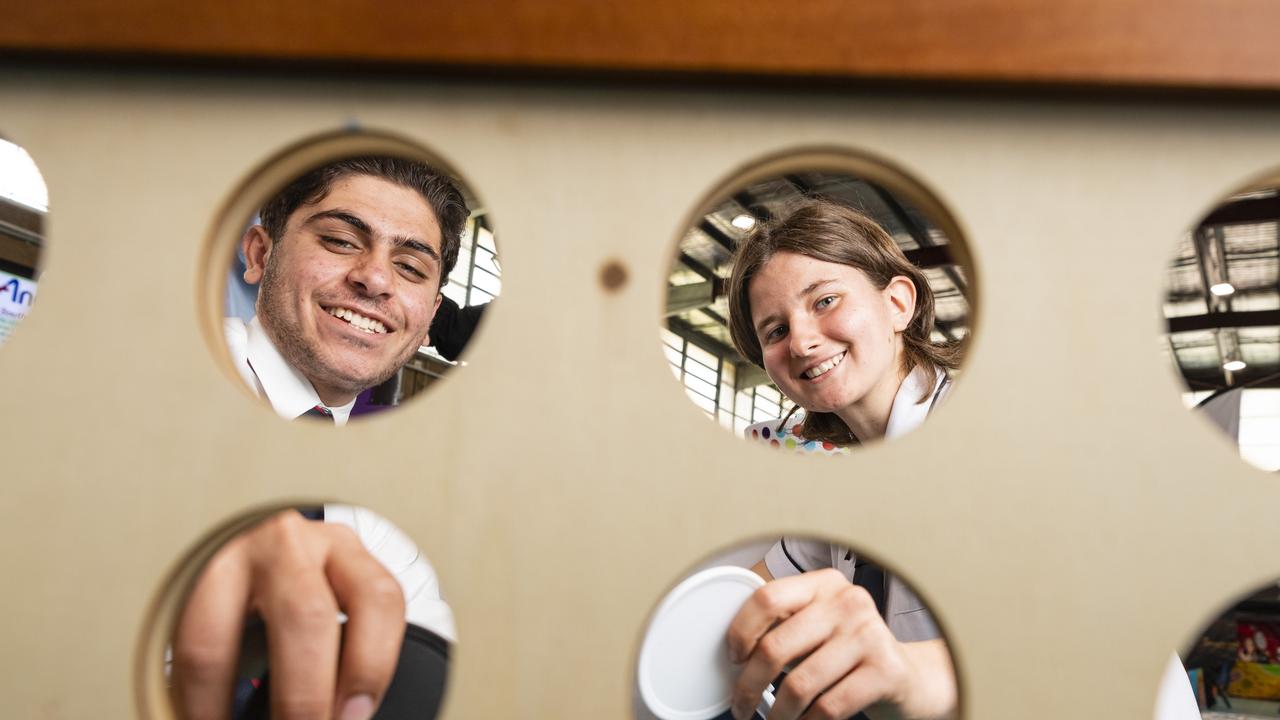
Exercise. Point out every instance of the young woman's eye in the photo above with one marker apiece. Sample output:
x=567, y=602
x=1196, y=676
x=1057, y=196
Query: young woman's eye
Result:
x=825, y=301
x=775, y=333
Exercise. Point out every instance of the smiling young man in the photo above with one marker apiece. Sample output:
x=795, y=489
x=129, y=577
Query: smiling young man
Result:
x=349, y=260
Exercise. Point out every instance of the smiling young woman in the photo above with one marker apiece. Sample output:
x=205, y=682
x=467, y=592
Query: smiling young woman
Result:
x=829, y=305
x=840, y=310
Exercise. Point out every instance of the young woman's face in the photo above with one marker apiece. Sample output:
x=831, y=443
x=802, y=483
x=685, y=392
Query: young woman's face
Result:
x=828, y=335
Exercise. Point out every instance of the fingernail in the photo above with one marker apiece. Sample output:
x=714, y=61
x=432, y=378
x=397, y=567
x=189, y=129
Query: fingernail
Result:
x=358, y=707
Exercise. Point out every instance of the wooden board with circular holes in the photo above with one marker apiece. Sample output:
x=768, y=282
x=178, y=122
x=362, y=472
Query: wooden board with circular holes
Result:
x=1062, y=514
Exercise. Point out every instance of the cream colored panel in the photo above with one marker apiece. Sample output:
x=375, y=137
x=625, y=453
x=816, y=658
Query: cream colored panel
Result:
x=1055, y=515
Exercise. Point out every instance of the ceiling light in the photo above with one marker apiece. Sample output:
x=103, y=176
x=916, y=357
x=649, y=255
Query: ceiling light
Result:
x=1234, y=365
x=743, y=222
x=1222, y=289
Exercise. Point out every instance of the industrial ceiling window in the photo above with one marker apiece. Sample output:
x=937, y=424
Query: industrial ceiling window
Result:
x=476, y=279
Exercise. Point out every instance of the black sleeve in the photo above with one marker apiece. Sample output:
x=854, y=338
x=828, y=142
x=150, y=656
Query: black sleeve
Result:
x=452, y=327
x=418, y=685
x=416, y=688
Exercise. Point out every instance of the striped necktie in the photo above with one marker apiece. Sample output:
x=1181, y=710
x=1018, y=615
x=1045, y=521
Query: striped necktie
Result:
x=320, y=412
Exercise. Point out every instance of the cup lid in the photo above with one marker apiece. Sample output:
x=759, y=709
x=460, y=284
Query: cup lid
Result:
x=684, y=671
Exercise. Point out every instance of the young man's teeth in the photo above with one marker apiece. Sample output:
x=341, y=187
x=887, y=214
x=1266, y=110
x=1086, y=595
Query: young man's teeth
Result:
x=824, y=368
x=368, y=325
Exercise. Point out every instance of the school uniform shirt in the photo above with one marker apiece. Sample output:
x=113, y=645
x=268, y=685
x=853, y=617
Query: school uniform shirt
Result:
x=266, y=372
x=904, y=612
x=291, y=395
x=1176, y=699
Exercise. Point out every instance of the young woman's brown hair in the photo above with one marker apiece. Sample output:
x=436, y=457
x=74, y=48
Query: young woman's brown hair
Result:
x=834, y=233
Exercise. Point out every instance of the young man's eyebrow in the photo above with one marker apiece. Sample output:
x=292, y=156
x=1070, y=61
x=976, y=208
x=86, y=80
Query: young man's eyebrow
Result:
x=341, y=216
x=416, y=245
x=356, y=222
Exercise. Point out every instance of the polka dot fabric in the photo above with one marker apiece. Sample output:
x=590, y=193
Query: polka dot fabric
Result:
x=768, y=432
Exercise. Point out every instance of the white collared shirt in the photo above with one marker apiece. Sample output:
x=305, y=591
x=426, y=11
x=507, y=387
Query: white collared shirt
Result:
x=906, y=414
x=291, y=395
x=1176, y=699
x=267, y=373
x=908, y=411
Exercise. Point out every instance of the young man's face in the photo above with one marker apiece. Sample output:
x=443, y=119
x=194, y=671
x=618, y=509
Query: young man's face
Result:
x=349, y=289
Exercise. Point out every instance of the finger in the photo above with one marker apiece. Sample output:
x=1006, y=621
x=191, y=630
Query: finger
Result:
x=301, y=614
x=374, y=604
x=857, y=691
x=302, y=641
x=768, y=605
x=821, y=670
x=820, y=644
x=207, y=640
x=787, y=642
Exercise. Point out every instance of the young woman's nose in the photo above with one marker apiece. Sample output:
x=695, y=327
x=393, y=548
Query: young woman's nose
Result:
x=804, y=336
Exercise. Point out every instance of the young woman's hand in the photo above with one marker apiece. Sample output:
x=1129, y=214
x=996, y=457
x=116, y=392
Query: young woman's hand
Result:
x=840, y=655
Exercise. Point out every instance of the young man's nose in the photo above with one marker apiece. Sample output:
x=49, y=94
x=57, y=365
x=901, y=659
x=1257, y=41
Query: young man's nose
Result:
x=372, y=274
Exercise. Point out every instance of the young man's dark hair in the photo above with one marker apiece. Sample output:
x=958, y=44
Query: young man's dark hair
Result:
x=436, y=187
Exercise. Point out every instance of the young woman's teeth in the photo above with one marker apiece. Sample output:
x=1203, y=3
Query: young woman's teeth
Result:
x=368, y=325
x=824, y=368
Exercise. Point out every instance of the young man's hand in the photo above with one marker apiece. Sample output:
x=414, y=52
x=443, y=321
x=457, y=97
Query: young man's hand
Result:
x=840, y=656
x=296, y=574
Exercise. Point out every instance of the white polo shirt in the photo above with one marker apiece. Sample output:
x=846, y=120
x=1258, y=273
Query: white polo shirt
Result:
x=291, y=395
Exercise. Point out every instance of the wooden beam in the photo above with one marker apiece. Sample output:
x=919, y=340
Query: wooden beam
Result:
x=689, y=297
x=706, y=342
x=1236, y=319
x=21, y=219
x=1262, y=378
x=18, y=256
x=1245, y=212
x=1207, y=44
x=932, y=257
